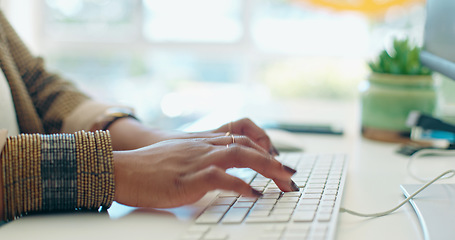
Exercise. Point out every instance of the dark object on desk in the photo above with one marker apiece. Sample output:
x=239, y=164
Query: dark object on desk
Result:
x=304, y=128
x=411, y=148
x=417, y=119
x=428, y=133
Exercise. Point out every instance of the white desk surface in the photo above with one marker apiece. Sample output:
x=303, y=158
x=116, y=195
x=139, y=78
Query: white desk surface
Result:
x=374, y=176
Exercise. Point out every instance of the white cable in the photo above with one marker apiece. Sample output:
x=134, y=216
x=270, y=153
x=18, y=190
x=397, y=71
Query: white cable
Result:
x=380, y=214
x=423, y=152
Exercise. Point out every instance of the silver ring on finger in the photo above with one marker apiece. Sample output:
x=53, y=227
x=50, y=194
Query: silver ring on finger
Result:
x=233, y=141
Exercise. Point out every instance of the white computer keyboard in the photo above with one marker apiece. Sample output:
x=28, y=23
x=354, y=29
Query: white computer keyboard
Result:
x=310, y=213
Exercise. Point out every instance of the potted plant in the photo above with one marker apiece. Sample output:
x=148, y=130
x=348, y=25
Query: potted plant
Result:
x=398, y=83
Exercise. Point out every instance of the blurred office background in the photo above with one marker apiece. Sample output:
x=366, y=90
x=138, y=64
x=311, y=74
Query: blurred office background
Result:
x=176, y=61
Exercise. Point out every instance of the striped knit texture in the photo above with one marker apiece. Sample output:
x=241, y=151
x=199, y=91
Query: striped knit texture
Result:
x=41, y=99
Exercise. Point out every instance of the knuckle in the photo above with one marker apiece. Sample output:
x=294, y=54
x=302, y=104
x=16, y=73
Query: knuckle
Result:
x=267, y=164
x=234, y=154
x=245, y=119
x=238, y=183
x=212, y=173
x=179, y=184
x=233, y=151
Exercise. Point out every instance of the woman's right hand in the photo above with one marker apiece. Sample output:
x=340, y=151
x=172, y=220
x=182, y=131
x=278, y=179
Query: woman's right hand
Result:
x=178, y=172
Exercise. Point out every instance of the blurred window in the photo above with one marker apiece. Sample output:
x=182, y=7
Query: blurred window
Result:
x=90, y=20
x=176, y=60
x=193, y=21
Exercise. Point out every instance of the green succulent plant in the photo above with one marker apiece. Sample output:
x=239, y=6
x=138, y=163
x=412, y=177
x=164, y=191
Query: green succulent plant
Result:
x=403, y=58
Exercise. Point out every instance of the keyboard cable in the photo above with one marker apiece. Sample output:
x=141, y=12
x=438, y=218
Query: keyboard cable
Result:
x=380, y=214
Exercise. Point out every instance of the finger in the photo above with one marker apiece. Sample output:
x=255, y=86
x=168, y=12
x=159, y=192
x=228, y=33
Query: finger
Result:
x=237, y=155
x=287, y=186
x=249, y=128
x=212, y=178
x=236, y=139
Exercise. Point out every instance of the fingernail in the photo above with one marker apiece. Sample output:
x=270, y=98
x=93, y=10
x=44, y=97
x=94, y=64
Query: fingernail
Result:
x=289, y=169
x=273, y=151
x=256, y=193
x=294, y=186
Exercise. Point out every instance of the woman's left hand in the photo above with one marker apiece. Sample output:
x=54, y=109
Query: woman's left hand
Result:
x=248, y=128
x=128, y=134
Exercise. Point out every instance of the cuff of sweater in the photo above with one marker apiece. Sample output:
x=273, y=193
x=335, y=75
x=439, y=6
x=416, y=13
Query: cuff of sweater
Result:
x=87, y=115
x=84, y=116
x=59, y=172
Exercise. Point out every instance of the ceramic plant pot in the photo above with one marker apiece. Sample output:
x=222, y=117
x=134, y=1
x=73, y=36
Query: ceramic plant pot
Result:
x=387, y=99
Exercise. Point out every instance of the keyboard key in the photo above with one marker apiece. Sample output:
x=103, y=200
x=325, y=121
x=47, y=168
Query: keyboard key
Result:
x=299, y=228
x=324, y=216
x=325, y=209
x=293, y=236
x=288, y=215
x=247, y=199
x=288, y=199
x=282, y=211
x=333, y=182
x=216, y=235
x=330, y=192
x=272, y=190
x=319, y=232
x=192, y=236
x=218, y=208
x=291, y=194
x=321, y=227
x=274, y=195
x=312, y=196
x=270, y=236
x=257, y=219
x=228, y=194
x=259, y=207
x=300, y=184
x=243, y=205
x=316, y=181
x=258, y=213
x=199, y=229
x=329, y=198
x=306, y=208
x=331, y=186
x=316, y=186
x=327, y=203
x=235, y=215
x=314, y=191
x=266, y=201
x=195, y=232
x=225, y=201
x=268, y=219
x=303, y=216
x=259, y=183
x=210, y=217
x=309, y=202
x=285, y=205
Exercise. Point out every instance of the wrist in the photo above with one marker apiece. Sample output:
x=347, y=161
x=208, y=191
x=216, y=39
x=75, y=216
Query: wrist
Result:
x=1, y=190
x=110, y=116
x=122, y=189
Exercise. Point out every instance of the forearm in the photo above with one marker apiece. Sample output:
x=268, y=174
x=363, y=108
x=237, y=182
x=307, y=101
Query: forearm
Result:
x=128, y=134
x=1, y=191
